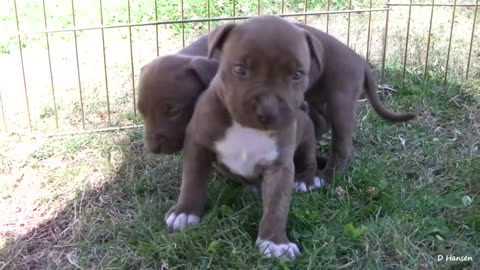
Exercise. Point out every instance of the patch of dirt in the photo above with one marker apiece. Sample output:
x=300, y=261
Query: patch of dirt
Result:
x=19, y=212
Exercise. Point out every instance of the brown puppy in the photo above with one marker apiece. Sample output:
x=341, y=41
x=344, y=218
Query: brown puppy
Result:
x=339, y=85
x=248, y=120
x=168, y=88
x=336, y=86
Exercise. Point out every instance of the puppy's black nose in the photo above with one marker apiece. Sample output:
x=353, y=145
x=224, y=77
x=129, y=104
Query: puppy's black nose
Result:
x=265, y=116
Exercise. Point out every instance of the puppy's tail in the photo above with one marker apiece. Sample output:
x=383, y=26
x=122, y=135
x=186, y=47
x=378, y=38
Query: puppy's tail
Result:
x=371, y=87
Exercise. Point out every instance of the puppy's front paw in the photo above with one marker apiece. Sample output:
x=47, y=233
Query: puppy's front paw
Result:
x=300, y=186
x=304, y=187
x=179, y=221
x=269, y=249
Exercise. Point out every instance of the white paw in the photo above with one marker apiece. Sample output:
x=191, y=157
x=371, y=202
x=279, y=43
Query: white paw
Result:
x=302, y=186
x=318, y=183
x=251, y=189
x=181, y=221
x=270, y=250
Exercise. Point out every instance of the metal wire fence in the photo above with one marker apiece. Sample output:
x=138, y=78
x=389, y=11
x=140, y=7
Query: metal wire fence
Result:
x=423, y=39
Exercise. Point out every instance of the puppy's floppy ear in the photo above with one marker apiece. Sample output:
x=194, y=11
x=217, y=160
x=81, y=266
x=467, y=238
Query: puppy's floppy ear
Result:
x=217, y=37
x=204, y=69
x=316, y=50
x=141, y=76
x=144, y=67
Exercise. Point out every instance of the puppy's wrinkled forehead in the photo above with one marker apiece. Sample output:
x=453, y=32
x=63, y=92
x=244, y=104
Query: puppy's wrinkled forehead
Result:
x=272, y=41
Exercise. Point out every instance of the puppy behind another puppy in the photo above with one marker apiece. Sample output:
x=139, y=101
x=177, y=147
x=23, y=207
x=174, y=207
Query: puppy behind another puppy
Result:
x=168, y=88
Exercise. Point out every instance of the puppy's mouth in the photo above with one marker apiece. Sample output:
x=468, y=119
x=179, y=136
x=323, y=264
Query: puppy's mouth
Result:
x=279, y=119
x=272, y=124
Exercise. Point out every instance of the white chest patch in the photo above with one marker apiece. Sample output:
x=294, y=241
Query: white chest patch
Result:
x=243, y=148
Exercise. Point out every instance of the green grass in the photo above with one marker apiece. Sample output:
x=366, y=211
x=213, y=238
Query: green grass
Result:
x=100, y=199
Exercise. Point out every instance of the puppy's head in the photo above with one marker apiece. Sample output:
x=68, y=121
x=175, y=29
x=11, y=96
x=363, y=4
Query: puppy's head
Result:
x=264, y=69
x=168, y=88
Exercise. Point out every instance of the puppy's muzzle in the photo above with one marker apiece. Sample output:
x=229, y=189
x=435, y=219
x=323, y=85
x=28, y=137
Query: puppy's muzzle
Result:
x=159, y=138
x=266, y=115
x=155, y=142
x=269, y=110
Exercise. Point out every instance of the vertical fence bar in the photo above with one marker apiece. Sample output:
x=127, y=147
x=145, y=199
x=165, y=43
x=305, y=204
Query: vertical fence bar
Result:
x=450, y=40
x=183, y=24
x=234, y=9
x=283, y=6
x=23, y=66
x=50, y=65
x=156, y=28
x=369, y=31
x=385, y=39
x=208, y=14
x=348, y=26
x=328, y=15
x=131, y=59
x=406, y=44
x=471, y=39
x=305, y=9
x=3, y=113
x=105, y=65
x=78, y=66
x=428, y=41
x=258, y=7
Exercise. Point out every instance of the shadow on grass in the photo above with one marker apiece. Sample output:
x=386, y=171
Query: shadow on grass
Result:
x=119, y=223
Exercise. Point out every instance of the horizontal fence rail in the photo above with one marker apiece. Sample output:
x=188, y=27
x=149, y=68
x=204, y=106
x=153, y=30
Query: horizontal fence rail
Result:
x=392, y=36
x=214, y=19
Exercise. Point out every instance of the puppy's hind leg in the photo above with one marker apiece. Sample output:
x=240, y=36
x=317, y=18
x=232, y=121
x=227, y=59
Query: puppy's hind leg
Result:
x=321, y=126
x=305, y=160
x=342, y=110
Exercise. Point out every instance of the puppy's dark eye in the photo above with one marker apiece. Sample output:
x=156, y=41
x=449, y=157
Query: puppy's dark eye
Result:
x=298, y=75
x=171, y=110
x=239, y=70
